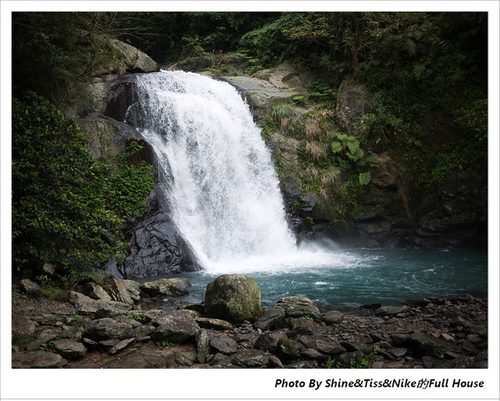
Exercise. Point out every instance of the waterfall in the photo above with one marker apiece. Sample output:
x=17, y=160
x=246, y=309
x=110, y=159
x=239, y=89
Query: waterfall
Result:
x=217, y=173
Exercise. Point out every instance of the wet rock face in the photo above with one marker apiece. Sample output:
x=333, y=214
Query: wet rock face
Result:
x=157, y=248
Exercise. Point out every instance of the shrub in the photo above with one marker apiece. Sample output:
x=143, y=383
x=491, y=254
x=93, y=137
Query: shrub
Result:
x=67, y=208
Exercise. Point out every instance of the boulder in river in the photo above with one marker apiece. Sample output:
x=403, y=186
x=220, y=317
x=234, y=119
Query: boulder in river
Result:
x=234, y=298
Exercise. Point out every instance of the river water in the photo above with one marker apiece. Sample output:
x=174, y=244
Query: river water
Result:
x=367, y=276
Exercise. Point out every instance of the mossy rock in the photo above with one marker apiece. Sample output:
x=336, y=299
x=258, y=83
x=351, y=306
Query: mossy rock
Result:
x=234, y=298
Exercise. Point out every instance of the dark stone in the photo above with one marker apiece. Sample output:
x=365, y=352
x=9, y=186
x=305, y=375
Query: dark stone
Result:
x=33, y=359
x=157, y=248
x=272, y=318
x=175, y=326
x=202, y=345
x=333, y=317
x=268, y=342
x=299, y=307
x=329, y=346
x=108, y=328
x=290, y=349
x=69, y=349
x=250, y=359
x=224, y=344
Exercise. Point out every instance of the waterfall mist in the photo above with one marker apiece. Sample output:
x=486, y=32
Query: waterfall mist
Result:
x=217, y=173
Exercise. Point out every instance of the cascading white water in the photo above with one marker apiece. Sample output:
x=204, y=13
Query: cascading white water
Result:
x=217, y=172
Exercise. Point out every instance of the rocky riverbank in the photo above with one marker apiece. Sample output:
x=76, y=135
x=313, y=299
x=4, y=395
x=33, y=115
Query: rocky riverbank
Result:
x=113, y=325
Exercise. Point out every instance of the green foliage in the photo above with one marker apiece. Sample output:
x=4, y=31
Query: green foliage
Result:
x=364, y=178
x=56, y=294
x=67, y=208
x=164, y=343
x=140, y=319
x=347, y=144
x=359, y=362
x=55, y=51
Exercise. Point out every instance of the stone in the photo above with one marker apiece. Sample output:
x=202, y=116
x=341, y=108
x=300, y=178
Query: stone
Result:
x=166, y=287
x=333, y=317
x=121, y=345
x=234, y=298
x=182, y=360
x=69, y=349
x=175, y=326
x=143, y=358
x=301, y=325
x=212, y=323
x=133, y=289
x=221, y=360
x=311, y=353
x=390, y=310
x=422, y=344
x=95, y=291
x=274, y=361
x=302, y=365
x=108, y=328
x=329, y=346
x=87, y=306
x=272, y=318
x=224, y=344
x=134, y=59
x=398, y=352
x=289, y=349
x=269, y=342
x=22, y=328
x=260, y=92
x=30, y=287
x=251, y=358
x=48, y=268
x=33, y=359
x=157, y=247
x=116, y=289
x=299, y=307
x=202, y=345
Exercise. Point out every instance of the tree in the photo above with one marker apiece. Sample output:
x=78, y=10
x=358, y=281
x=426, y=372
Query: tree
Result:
x=67, y=208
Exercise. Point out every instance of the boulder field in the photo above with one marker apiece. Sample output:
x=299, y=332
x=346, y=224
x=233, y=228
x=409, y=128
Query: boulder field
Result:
x=126, y=324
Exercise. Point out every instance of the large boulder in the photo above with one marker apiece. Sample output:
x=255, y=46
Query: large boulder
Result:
x=234, y=298
x=134, y=59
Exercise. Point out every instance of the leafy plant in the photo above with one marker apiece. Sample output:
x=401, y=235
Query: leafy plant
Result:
x=138, y=318
x=67, y=207
x=347, y=144
x=364, y=178
x=359, y=362
x=164, y=343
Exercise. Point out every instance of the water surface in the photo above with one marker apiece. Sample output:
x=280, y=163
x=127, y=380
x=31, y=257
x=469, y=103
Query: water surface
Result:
x=365, y=276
